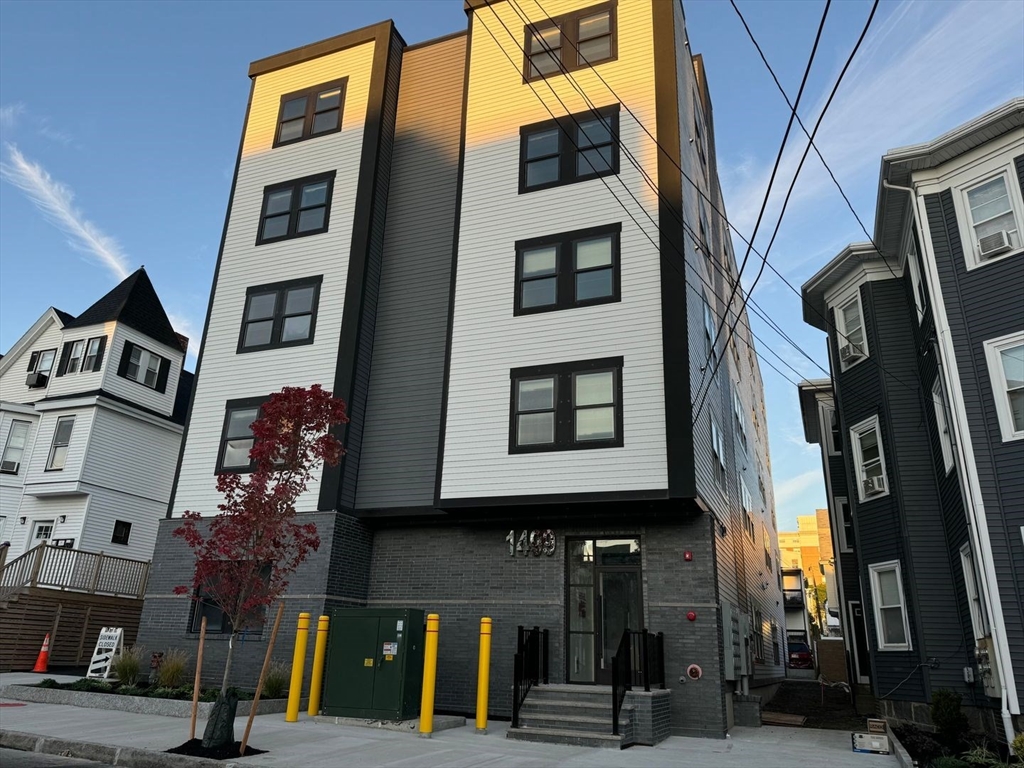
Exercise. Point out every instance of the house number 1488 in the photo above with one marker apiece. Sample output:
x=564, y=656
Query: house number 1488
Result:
x=534, y=543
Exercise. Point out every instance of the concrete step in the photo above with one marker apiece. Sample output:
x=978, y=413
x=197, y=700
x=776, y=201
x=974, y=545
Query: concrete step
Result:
x=595, y=693
x=584, y=724
x=563, y=736
x=560, y=707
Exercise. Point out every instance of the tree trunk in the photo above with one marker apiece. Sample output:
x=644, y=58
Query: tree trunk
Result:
x=227, y=664
x=220, y=728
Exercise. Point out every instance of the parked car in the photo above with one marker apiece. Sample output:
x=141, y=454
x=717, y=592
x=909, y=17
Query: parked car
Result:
x=800, y=656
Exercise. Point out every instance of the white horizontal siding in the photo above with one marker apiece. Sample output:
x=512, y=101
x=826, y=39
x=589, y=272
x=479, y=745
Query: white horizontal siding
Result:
x=140, y=394
x=487, y=340
x=132, y=455
x=106, y=506
x=35, y=509
x=87, y=381
x=12, y=382
x=225, y=374
x=76, y=447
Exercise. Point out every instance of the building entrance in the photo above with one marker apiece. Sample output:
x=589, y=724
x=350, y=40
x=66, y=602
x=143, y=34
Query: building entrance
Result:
x=603, y=598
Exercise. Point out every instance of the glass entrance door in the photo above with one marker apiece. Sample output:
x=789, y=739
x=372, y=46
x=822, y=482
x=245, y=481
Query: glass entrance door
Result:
x=603, y=600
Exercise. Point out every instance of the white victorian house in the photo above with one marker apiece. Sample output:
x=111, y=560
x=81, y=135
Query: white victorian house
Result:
x=91, y=416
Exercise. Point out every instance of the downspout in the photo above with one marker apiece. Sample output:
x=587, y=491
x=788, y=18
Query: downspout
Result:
x=979, y=542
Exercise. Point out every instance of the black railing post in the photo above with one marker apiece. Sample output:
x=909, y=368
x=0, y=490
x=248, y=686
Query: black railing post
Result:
x=546, y=658
x=519, y=639
x=615, y=697
x=517, y=674
x=646, y=661
x=661, y=658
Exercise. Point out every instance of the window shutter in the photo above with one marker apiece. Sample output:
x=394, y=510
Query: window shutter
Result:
x=32, y=360
x=99, y=353
x=65, y=353
x=126, y=356
x=161, y=376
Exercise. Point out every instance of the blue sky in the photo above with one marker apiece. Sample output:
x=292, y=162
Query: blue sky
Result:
x=119, y=124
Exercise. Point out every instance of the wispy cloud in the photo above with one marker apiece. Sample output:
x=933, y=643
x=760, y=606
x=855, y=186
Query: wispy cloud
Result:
x=9, y=114
x=56, y=202
x=788, y=490
x=913, y=79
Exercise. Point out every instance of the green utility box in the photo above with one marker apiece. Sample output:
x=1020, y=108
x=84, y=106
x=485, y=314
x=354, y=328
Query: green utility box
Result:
x=374, y=663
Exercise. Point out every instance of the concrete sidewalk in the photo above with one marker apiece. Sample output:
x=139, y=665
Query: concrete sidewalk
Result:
x=310, y=744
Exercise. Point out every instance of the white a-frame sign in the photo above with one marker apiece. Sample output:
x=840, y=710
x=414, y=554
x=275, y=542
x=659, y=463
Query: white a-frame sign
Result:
x=109, y=644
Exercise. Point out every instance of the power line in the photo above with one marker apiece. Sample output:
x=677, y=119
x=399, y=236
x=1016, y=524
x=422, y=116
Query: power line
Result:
x=767, y=195
x=785, y=96
x=640, y=205
x=803, y=158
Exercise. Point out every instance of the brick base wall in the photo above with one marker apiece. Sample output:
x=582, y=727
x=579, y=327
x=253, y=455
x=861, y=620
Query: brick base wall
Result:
x=652, y=716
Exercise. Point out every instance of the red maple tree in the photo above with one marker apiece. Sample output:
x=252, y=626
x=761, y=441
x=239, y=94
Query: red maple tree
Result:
x=246, y=554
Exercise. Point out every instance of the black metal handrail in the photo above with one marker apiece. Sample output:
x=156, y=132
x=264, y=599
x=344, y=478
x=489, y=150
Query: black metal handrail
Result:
x=639, y=661
x=530, y=666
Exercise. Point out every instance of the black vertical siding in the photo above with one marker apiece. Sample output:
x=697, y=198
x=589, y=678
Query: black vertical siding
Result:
x=981, y=304
x=371, y=278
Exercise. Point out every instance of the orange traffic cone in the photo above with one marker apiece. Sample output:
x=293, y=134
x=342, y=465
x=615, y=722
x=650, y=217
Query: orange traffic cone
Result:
x=44, y=655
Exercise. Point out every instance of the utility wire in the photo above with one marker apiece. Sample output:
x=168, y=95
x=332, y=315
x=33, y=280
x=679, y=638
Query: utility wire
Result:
x=810, y=143
x=785, y=96
x=767, y=194
x=628, y=212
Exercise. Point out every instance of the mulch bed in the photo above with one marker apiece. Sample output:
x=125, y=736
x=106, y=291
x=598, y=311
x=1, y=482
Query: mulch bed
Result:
x=830, y=709
x=194, y=748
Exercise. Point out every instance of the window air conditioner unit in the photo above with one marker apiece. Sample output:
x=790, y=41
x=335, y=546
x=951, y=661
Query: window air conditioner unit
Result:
x=848, y=353
x=36, y=380
x=995, y=243
x=873, y=485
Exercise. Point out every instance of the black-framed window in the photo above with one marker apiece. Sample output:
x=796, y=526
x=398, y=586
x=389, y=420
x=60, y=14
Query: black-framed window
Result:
x=570, y=269
x=570, y=42
x=236, y=438
x=42, y=361
x=144, y=367
x=58, y=455
x=567, y=406
x=296, y=208
x=217, y=621
x=311, y=112
x=570, y=149
x=81, y=356
x=280, y=314
x=122, y=532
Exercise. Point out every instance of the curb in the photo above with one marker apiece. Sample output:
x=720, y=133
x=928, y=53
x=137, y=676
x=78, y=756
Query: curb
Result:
x=129, y=757
x=902, y=755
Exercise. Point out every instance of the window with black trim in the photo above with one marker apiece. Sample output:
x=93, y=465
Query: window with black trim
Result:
x=568, y=406
x=41, y=362
x=570, y=42
x=570, y=149
x=571, y=269
x=14, y=450
x=217, y=621
x=147, y=368
x=311, y=112
x=122, y=532
x=81, y=356
x=280, y=314
x=59, y=447
x=236, y=438
x=296, y=208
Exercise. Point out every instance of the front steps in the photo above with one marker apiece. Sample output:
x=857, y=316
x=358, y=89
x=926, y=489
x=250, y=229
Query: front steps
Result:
x=580, y=715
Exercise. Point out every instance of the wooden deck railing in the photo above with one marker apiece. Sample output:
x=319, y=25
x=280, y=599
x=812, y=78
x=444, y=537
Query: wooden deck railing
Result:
x=74, y=570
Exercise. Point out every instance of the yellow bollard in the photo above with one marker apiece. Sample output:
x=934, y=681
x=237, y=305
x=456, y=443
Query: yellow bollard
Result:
x=291, y=715
x=319, y=654
x=483, y=680
x=429, y=676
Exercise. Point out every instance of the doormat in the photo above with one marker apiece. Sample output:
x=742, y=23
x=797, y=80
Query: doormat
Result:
x=780, y=718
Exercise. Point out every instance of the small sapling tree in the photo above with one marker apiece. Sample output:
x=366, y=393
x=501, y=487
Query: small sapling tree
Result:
x=245, y=555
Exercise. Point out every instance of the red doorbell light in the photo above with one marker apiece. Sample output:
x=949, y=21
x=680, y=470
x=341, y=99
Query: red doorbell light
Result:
x=687, y=555
x=691, y=615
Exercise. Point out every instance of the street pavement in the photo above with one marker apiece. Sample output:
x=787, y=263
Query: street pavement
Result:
x=315, y=745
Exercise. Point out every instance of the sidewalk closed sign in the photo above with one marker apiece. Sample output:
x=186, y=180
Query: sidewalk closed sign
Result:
x=109, y=644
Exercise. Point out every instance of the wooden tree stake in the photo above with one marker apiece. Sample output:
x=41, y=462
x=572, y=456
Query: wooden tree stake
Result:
x=263, y=676
x=195, y=691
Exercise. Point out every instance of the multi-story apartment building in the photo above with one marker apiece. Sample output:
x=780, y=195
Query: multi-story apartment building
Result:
x=926, y=339
x=821, y=428
x=92, y=410
x=505, y=250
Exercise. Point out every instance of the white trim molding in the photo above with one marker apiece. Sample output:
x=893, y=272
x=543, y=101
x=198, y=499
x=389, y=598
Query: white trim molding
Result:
x=857, y=433
x=845, y=545
x=994, y=351
x=979, y=621
x=877, y=606
x=942, y=424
